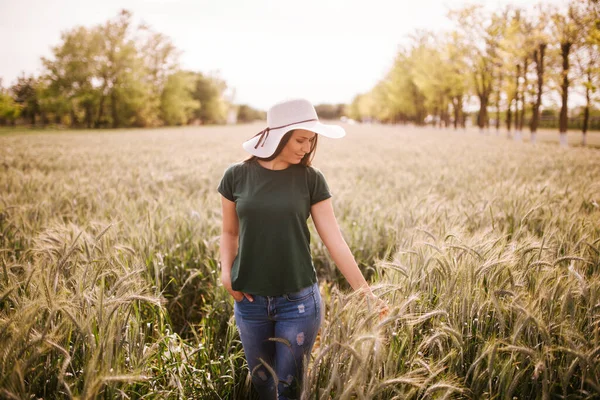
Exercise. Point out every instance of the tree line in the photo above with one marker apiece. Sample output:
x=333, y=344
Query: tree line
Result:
x=514, y=64
x=117, y=75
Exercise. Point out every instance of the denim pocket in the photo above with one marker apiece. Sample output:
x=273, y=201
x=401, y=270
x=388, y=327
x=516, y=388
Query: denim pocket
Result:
x=300, y=295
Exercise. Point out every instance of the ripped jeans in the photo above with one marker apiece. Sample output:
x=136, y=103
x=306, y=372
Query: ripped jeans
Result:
x=278, y=333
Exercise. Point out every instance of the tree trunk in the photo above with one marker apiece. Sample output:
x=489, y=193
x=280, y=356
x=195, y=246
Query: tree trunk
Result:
x=565, y=49
x=484, y=89
x=74, y=120
x=455, y=109
x=586, y=117
x=509, y=118
x=113, y=108
x=446, y=113
x=498, y=116
x=517, y=99
x=586, y=111
x=101, y=106
x=498, y=98
x=523, y=93
x=538, y=56
x=100, y=112
x=88, y=116
x=482, y=117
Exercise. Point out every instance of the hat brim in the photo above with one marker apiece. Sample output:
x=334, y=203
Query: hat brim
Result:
x=267, y=148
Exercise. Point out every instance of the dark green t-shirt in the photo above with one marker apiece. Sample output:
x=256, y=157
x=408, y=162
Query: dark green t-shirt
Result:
x=273, y=207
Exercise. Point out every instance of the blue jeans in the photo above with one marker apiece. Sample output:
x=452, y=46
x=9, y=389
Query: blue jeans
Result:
x=278, y=333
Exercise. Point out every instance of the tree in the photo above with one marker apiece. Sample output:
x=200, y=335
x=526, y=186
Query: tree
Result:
x=377, y=104
x=69, y=77
x=330, y=111
x=405, y=100
x=354, y=108
x=248, y=114
x=160, y=60
x=525, y=32
x=565, y=31
x=113, y=74
x=119, y=75
x=430, y=75
x=26, y=95
x=54, y=106
x=9, y=109
x=511, y=54
x=364, y=107
x=176, y=102
x=539, y=40
x=482, y=37
x=120, y=66
x=586, y=57
x=209, y=92
x=456, y=80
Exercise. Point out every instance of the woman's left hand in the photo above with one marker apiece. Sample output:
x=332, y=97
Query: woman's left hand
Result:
x=381, y=306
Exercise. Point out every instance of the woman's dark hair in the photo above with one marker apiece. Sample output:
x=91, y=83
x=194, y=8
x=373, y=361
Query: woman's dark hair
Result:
x=306, y=160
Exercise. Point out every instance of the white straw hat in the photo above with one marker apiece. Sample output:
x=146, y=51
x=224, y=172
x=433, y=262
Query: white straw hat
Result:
x=284, y=117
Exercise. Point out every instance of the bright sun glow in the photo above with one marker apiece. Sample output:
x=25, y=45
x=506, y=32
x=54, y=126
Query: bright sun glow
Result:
x=324, y=50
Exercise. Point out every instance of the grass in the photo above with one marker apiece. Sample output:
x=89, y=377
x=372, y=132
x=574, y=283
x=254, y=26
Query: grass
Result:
x=487, y=250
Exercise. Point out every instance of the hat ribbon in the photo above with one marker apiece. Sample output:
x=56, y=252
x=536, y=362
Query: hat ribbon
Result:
x=264, y=134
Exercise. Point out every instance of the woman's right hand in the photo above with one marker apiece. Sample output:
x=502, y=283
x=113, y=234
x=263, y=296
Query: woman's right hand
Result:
x=237, y=296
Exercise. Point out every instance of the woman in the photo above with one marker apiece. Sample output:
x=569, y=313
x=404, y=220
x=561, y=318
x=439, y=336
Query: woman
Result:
x=265, y=246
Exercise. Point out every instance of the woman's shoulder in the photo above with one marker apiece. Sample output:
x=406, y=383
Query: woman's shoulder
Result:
x=313, y=171
x=238, y=166
x=313, y=168
x=314, y=175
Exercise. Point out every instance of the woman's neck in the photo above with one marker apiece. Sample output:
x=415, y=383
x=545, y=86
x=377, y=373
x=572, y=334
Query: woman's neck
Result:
x=275, y=164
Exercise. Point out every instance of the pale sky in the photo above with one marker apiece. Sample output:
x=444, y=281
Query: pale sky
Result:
x=324, y=50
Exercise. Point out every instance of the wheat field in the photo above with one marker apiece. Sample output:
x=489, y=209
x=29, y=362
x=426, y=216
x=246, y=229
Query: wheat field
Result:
x=486, y=250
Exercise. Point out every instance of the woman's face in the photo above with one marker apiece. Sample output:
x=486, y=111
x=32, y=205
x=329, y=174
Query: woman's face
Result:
x=299, y=144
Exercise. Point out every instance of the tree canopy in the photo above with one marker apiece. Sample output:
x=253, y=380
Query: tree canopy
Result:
x=510, y=62
x=116, y=75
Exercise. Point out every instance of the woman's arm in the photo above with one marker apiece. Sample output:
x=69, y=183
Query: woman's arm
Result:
x=329, y=231
x=229, y=246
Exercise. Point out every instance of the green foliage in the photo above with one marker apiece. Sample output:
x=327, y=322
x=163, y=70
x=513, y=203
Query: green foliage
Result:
x=425, y=79
x=116, y=75
x=249, y=114
x=176, y=102
x=26, y=95
x=363, y=108
x=9, y=109
x=208, y=91
x=407, y=102
x=330, y=111
x=490, y=58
